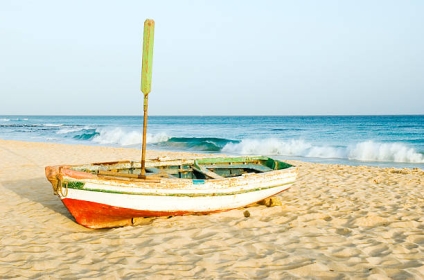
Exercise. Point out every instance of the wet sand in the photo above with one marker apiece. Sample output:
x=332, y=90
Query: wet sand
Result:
x=336, y=222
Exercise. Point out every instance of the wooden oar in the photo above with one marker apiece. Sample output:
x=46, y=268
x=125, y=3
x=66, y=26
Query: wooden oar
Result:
x=146, y=83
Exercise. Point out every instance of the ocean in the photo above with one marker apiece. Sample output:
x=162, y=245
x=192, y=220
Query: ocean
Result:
x=386, y=141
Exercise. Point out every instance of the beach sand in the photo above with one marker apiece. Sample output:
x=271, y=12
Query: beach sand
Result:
x=336, y=222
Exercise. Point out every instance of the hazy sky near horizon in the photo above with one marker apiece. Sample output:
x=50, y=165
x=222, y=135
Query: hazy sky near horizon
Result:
x=213, y=57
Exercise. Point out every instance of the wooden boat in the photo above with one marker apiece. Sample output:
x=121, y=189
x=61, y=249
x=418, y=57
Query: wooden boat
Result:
x=104, y=195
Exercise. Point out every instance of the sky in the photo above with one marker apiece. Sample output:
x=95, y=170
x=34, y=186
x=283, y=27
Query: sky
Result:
x=216, y=57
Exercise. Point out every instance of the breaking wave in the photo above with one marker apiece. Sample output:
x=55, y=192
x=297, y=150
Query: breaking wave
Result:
x=367, y=151
x=363, y=151
x=122, y=136
x=388, y=152
x=206, y=144
x=126, y=137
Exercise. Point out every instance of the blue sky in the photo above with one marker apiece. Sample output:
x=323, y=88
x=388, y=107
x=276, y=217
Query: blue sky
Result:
x=213, y=57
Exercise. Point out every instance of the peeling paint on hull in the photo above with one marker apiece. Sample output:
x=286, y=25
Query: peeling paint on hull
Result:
x=98, y=215
x=103, y=215
x=105, y=201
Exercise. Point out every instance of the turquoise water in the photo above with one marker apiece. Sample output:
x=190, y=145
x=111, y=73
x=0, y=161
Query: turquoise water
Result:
x=396, y=141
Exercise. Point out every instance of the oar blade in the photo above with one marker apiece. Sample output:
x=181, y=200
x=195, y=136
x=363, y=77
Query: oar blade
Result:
x=147, y=61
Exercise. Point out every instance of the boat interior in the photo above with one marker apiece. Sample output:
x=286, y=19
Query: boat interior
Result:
x=210, y=168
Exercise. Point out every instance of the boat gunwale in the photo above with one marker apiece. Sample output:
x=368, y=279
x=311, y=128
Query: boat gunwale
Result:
x=72, y=177
x=219, y=161
x=161, y=184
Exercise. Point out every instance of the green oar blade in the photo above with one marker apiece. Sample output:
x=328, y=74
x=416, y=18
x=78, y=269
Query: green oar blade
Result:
x=147, y=62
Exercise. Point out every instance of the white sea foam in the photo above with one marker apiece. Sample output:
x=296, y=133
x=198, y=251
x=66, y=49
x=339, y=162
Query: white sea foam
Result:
x=52, y=125
x=268, y=146
x=391, y=152
x=364, y=151
x=156, y=138
x=126, y=137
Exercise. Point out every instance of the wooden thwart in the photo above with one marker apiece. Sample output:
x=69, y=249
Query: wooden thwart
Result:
x=257, y=167
x=206, y=172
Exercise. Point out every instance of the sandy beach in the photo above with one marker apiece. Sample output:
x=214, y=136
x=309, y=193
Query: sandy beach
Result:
x=336, y=222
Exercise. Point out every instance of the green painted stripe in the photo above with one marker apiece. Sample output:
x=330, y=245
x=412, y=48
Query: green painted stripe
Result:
x=72, y=186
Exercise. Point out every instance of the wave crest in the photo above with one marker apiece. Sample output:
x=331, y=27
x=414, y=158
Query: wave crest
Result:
x=363, y=151
x=209, y=144
x=391, y=152
x=120, y=136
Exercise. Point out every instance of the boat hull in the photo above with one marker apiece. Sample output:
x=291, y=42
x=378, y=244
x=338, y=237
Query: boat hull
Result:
x=108, y=210
x=98, y=202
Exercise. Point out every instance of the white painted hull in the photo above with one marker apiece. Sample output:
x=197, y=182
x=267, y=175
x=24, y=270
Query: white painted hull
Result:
x=98, y=202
